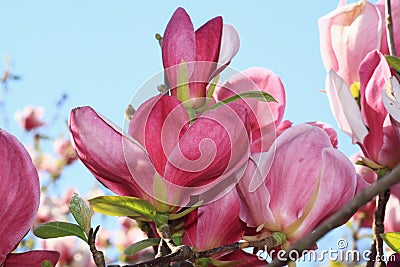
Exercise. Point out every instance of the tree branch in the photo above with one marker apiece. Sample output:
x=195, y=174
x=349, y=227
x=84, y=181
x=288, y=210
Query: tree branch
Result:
x=341, y=216
x=98, y=256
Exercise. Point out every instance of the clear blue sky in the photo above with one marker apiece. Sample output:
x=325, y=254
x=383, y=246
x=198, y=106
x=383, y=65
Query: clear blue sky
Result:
x=100, y=52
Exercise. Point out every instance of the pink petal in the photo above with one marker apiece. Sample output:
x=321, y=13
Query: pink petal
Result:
x=31, y=258
x=18, y=177
x=292, y=179
x=158, y=124
x=336, y=185
x=117, y=161
x=391, y=97
x=254, y=204
x=374, y=72
x=178, y=44
x=345, y=108
x=246, y=259
x=213, y=148
x=348, y=34
x=329, y=130
x=264, y=116
x=215, y=224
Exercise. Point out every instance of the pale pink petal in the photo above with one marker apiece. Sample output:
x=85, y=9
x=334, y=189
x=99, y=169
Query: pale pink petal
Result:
x=392, y=216
x=114, y=159
x=391, y=97
x=215, y=224
x=32, y=258
x=18, y=177
x=345, y=108
x=179, y=44
x=329, y=130
x=264, y=116
x=347, y=35
x=336, y=185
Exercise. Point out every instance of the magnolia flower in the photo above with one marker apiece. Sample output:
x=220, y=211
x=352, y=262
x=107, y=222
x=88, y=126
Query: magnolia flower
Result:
x=30, y=118
x=189, y=157
x=308, y=181
x=368, y=123
x=65, y=150
x=205, y=52
x=217, y=224
x=19, y=202
x=347, y=35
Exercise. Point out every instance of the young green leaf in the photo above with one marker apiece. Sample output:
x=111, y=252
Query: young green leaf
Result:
x=185, y=212
x=81, y=212
x=59, y=229
x=46, y=263
x=394, y=62
x=258, y=95
x=124, y=206
x=138, y=246
x=392, y=240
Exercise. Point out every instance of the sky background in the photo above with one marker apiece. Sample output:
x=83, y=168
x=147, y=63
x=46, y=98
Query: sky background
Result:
x=101, y=52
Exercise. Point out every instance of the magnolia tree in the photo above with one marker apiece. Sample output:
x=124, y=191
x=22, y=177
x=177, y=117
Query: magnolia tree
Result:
x=208, y=173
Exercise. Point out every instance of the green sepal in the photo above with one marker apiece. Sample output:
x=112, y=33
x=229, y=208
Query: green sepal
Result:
x=392, y=240
x=183, y=89
x=59, y=229
x=257, y=95
x=140, y=245
x=394, y=62
x=160, y=194
x=81, y=212
x=185, y=212
x=136, y=208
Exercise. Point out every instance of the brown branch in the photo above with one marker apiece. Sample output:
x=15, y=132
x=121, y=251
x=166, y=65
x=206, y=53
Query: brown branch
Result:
x=341, y=216
x=389, y=28
x=184, y=253
x=98, y=256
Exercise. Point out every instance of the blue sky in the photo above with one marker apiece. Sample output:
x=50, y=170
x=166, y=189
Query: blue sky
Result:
x=101, y=52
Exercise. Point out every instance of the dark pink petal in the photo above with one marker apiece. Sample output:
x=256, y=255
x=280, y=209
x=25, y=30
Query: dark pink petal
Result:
x=374, y=72
x=214, y=224
x=179, y=44
x=394, y=260
x=336, y=186
x=208, y=43
x=19, y=193
x=158, y=124
x=114, y=159
x=214, y=147
x=32, y=258
x=264, y=116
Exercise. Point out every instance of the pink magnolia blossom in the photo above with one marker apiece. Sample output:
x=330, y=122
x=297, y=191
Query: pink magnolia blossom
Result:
x=19, y=202
x=265, y=117
x=205, y=51
x=65, y=150
x=190, y=158
x=217, y=224
x=308, y=181
x=30, y=118
x=347, y=35
x=369, y=124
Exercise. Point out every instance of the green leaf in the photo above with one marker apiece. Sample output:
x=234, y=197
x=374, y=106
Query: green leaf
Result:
x=185, y=212
x=46, y=263
x=138, y=246
x=392, y=240
x=258, y=95
x=81, y=212
x=124, y=206
x=59, y=229
x=394, y=62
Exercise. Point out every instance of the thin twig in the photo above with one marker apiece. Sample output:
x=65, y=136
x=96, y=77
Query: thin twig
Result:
x=389, y=28
x=340, y=216
x=98, y=256
x=184, y=253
